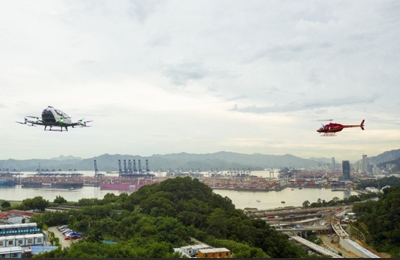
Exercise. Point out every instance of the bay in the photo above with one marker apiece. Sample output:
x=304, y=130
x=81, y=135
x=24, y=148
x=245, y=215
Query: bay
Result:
x=241, y=199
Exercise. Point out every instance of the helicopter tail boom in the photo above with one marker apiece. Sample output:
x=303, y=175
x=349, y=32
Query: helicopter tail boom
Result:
x=360, y=125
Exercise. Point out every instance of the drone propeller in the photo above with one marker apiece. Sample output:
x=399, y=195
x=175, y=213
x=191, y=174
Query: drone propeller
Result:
x=24, y=123
x=83, y=123
x=37, y=120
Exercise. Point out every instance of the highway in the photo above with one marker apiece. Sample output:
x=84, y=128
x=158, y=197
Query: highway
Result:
x=306, y=228
x=315, y=247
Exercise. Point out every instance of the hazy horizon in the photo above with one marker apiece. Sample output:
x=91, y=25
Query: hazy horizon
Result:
x=59, y=157
x=163, y=77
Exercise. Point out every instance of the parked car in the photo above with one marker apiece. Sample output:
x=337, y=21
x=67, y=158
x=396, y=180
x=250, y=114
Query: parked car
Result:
x=69, y=233
x=62, y=227
x=66, y=231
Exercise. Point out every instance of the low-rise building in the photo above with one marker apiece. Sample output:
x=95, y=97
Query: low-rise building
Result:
x=191, y=250
x=11, y=252
x=214, y=253
x=62, y=208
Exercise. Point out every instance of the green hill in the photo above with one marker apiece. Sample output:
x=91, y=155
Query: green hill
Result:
x=380, y=221
x=159, y=217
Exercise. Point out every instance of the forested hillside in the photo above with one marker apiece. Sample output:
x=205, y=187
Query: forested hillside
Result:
x=379, y=183
x=385, y=157
x=380, y=221
x=159, y=217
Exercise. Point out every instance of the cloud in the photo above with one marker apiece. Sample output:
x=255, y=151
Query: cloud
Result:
x=297, y=50
x=180, y=74
x=141, y=11
x=319, y=105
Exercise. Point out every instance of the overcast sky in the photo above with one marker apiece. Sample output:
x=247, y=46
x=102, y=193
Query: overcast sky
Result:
x=160, y=77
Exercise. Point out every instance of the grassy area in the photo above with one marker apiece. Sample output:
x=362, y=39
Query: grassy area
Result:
x=12, y=202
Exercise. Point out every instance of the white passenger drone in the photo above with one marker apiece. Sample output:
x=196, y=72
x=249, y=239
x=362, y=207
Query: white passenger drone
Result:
x=53, y=118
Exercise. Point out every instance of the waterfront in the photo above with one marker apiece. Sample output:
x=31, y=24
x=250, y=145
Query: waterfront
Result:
x=273, y=199
x=241, y=199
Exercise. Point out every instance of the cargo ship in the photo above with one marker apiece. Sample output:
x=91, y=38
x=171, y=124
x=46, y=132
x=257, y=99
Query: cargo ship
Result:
x=53, y=180
x=127, y=182
x=8, y=179
x=7, y=183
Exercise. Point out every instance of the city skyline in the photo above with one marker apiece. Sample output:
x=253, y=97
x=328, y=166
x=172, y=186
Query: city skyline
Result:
x=162, y=77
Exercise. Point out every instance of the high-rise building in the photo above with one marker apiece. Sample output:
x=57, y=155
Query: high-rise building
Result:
x=364, y=164
x=333, y=164
x=346, y=170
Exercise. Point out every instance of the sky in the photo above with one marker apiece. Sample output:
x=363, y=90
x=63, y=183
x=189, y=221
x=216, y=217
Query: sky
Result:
x=161, y=77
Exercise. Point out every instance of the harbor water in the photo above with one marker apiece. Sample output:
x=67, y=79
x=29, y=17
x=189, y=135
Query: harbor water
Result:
x=241, y=199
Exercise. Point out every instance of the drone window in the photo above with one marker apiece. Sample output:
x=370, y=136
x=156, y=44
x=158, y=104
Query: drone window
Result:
x=60, y=113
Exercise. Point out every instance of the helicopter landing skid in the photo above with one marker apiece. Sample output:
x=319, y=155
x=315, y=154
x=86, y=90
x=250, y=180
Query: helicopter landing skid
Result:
x=329, y=134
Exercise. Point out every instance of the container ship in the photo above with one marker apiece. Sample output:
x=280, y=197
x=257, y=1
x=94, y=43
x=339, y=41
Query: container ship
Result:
x=53, y=180
x=9, y=179
x=128, y=182
x=7, y=183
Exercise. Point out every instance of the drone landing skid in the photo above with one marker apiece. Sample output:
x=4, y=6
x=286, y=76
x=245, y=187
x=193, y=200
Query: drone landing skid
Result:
x=56, y=130
x=329, y=134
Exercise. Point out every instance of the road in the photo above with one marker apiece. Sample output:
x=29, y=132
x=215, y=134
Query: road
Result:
x=336, y=247
x=321, y=250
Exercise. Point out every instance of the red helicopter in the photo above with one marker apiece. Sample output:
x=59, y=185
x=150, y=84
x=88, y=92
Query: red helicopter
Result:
x=331, y=128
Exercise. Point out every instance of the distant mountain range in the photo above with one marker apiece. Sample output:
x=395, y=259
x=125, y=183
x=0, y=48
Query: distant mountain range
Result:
x=385, y=157
x=183, y=161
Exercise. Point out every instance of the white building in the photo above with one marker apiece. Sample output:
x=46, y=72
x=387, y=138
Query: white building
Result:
x=192, y=250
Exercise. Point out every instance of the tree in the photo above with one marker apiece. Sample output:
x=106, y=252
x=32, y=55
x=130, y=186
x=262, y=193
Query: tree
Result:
x=306, y=204
x=59, y=200
x=160, y=217
x=36, y=203
x=5, y=204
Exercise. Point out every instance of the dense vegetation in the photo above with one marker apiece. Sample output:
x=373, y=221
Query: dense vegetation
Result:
x=387, y=181
x=380, y=221
x=339, y=202
x=159, y=217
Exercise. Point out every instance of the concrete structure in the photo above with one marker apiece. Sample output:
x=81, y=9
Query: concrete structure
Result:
x=352, y=246
x=345, y=240
x=315, y=247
